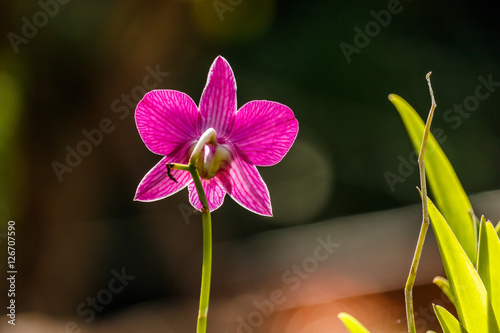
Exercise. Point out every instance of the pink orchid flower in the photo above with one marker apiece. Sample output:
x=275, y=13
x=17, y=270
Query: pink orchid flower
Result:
x=260, y=133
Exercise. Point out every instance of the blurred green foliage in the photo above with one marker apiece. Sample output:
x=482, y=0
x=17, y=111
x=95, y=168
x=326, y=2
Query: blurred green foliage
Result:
x=11, y=180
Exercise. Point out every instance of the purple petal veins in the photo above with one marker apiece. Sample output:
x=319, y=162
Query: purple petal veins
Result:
x=218, y=100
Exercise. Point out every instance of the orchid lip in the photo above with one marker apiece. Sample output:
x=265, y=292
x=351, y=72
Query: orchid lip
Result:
x=215, y=158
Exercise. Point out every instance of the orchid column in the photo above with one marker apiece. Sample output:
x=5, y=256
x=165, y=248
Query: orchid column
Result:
x=212, y=149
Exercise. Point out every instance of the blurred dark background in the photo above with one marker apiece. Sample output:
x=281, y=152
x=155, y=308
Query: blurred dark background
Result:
x=67, y=66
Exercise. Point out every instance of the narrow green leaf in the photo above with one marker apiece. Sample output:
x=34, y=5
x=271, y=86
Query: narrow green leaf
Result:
x=497, y=228
x=444, y=285
x=471, y=298
x=448, y=323
x=489, y=264
x=352, y=324
x=448, y=192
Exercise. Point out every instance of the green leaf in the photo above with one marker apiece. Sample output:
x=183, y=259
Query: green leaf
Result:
x=448, y=192
x=471, y=298
x=448, y=323
x=489, y=264
x=444, y=285
x=497, y=228
x=352, y=324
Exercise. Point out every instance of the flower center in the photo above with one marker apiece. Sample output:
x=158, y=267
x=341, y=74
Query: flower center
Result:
x=209, y=156
x=214, y=157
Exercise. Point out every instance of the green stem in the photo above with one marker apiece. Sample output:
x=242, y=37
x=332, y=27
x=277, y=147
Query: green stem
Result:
x=411, y=278
x=425, y=218
x=206, y=271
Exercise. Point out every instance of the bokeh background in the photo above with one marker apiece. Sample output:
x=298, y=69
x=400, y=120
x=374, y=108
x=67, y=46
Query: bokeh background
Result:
x=68, y=66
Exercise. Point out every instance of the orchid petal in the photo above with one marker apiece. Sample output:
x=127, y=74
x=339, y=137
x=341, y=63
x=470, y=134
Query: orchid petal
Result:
x=218, y=100
x=244, y=184
x=264, y=131
x=157, y=185
x=213, y=191
x=166, y=119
